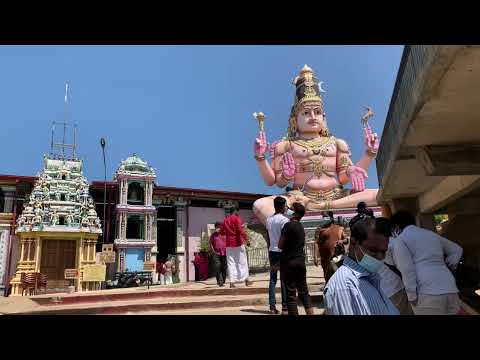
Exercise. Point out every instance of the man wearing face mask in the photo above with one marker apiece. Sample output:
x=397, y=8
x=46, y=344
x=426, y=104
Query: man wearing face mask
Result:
x=354, y=289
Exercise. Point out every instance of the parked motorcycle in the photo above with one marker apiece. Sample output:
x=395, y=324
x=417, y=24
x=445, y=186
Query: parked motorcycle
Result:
x=127, y=280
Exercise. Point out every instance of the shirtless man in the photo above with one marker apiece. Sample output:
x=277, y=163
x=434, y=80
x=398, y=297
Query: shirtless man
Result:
x=315, y=162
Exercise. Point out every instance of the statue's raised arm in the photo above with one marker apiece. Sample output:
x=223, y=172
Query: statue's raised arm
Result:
x=310, y=159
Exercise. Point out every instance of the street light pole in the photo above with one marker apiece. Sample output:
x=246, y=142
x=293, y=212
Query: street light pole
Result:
x=102, y=144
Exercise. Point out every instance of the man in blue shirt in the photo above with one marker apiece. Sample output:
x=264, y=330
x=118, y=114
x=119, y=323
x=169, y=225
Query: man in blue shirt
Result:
x=354, y=289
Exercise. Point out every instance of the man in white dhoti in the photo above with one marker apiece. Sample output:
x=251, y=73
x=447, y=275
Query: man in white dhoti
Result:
x=235, y=248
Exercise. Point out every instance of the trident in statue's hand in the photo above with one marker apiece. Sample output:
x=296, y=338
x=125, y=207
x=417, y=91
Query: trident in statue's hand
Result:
x=370, y=138
x=260, y=117
x=367, y=116
x=260, y=146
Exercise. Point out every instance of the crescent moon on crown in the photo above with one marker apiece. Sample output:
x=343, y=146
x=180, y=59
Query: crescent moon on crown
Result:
x=320, y=86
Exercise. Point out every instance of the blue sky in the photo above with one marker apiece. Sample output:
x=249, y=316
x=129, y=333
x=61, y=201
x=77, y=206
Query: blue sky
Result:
x=187, y=110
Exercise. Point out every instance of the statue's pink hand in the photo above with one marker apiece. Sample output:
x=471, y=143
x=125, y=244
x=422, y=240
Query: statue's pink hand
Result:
x=370, y=140
x=261, y=145
x=357, y=176
x=273, y=147
x=288, y=166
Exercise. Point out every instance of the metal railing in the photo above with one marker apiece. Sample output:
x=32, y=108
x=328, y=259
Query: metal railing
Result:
x=415, y=60
x=258, y=258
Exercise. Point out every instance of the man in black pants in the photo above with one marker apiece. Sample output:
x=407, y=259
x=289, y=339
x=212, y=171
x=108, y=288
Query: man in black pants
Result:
x=218, y=249
x=292, y=262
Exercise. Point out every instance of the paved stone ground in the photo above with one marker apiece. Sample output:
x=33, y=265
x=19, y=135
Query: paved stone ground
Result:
x=16, y=305
x=12, y=305
x=243, y=310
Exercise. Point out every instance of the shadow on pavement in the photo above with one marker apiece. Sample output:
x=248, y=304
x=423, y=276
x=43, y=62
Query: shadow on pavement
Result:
x=255, y=311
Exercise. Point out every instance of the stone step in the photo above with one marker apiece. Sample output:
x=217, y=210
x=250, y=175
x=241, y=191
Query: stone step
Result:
x=240, y=310
x=143, y=293
x=201, y=303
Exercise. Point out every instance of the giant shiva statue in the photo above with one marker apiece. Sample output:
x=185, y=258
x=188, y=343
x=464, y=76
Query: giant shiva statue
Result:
x=315, y=163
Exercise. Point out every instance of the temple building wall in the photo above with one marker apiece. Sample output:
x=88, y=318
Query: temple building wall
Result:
x=4, y=247
x=199, y=218
x=14, y=253
x=190, y=220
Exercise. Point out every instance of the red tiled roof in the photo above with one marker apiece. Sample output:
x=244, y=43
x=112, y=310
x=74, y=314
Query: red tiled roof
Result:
x=233, y=195
x=13, y=178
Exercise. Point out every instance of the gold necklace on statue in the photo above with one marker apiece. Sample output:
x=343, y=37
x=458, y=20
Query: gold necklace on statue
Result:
x=317, y=146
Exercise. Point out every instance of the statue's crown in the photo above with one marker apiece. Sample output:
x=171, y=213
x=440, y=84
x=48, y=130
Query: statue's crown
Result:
x=307, y=88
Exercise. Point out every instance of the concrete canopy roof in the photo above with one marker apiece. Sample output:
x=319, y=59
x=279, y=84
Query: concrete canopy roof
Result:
x=439, y=106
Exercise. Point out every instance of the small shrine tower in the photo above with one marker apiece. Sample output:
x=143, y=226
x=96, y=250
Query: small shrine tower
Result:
x=136, y=232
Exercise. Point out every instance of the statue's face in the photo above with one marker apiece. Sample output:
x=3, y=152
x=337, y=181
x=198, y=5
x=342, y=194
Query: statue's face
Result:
x=310, y=118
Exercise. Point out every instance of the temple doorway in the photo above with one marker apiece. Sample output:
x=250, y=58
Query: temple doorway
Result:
x=166, y=232
x=57, y=255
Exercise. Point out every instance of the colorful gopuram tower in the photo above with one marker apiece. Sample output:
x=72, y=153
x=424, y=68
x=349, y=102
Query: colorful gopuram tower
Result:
x=136, y=233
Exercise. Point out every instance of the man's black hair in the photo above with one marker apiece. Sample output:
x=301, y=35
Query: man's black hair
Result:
x=232, y=210
x=330, y=215
x=383, y=227
x=361, y=206
x=279, y=204
x=299, y=210
x=359, y=231
x=218, y=224
x=402, y=219
x=361, y=215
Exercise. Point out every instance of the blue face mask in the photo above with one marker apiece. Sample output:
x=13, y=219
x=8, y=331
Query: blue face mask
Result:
x=370, y=263
x=289, y=213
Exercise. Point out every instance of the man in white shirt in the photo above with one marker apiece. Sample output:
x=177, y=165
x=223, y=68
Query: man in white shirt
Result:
x=391, y=281
x=426, y=261
x=274, y=228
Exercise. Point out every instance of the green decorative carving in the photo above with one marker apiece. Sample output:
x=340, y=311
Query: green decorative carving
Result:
x=135, y=166
x=60, y=200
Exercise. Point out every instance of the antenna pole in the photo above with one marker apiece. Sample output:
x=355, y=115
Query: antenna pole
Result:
x=74, y=141
x=65, y=120
x=51, y=144
x=102, y=144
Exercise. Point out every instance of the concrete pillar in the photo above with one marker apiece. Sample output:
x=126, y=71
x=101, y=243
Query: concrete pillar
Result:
x=124, y=226
x=125, y=191
x=121, y=191
x=148, y=200
x=22, y=249
x=38, y=254
x=409, y=204
x=181, y=250
x=180, y=207
x=386, y=211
